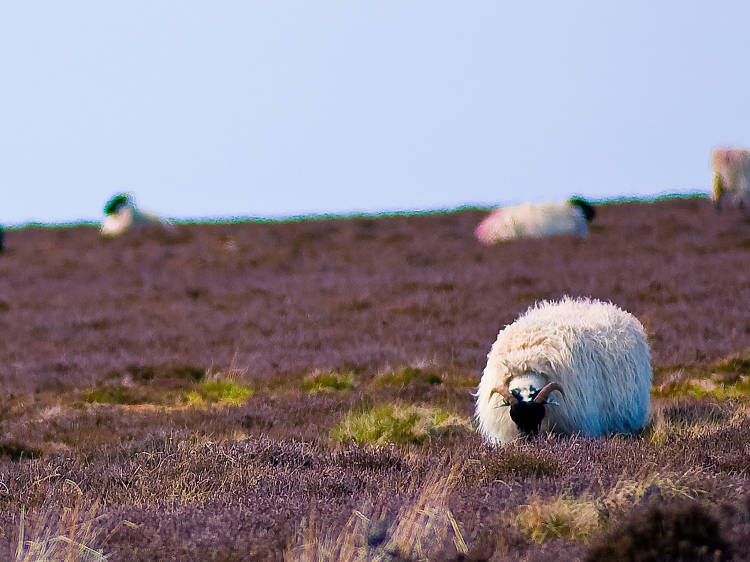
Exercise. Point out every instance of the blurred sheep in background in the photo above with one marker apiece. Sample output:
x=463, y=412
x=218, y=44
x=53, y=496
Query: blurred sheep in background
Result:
x=731, y=168
x=122, y=215
x=536, y=220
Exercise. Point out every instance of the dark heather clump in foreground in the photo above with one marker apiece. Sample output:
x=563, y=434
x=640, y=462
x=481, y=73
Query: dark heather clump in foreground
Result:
x=674, y=532
x=302, y=391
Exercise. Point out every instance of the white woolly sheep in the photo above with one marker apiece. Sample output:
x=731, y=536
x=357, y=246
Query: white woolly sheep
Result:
x=536, y=220
x=594, y=355
x=731, y=168
x=123, y=215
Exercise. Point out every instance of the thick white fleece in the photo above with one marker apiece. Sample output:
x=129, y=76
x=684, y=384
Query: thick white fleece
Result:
x=731, y=168
x=595, y=350
x=531, y=220
x=129, y=217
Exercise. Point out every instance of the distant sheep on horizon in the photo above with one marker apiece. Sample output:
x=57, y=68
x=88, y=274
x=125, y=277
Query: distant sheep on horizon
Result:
x=536, y=220
x=123, y=215
x=592, y=354
x=731, y=169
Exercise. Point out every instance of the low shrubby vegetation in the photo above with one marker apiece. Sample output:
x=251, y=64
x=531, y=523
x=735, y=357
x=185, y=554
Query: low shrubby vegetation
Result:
x=218, y=392
x=398, y=423
x=328, y=382
x=424, y=528
x=560, y=517
x=72, y=532
x=450, y=495
x=673, y=531
x=170, y=386
x=727, y=378
x=271, y=390
x=115, y=393
x=405, y=376
x=517, y=462
x=580, y=518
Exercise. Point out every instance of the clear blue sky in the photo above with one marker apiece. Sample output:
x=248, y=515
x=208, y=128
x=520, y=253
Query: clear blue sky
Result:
x=240, y=108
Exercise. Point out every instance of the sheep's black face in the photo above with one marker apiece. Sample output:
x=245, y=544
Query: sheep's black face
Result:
x=588, y=211
x=116, y=203
x=527, y=416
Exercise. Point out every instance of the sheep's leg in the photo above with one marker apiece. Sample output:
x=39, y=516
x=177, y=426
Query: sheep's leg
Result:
x=718, y=190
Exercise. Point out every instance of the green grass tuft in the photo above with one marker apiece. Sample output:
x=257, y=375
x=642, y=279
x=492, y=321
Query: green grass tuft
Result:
x=721, y=391
x=706, y=388
x=328, y=382
x=395, y=423
x=217, y=391
x=728, y=378
x=737, y=364
x=116, y=394
x=408, y=375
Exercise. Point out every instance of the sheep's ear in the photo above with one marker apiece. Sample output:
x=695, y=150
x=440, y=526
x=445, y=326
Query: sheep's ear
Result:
x=116, y=203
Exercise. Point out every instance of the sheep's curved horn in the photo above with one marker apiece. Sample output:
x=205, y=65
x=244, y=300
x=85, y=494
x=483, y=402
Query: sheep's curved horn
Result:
x=502, y=391
x=541, y=396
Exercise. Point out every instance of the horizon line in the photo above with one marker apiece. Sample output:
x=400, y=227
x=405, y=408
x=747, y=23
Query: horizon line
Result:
x=228, y=219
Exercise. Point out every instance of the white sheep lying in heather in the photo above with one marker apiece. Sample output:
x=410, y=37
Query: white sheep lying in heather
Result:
x=591, y=356
x=731, y=168
x=123, y=215
x=536, y=220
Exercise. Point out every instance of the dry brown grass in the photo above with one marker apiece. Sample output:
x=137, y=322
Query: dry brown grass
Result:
x=580, y=518
x=71, y=533
x=423, y=529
